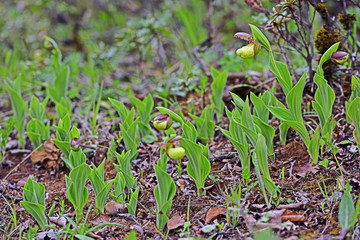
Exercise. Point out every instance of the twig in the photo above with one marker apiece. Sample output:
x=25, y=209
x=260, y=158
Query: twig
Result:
x=11, y=197
x=230, y=155
x=27, y=157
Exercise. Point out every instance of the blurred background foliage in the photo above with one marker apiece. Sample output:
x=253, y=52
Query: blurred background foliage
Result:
x=147, y=43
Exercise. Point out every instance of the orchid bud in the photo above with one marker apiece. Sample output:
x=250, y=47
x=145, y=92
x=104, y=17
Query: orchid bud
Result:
x=162, y=122
x=250, y=50
x=172, y=152
x=75, y=144
x=339, y=57
x=48, y=45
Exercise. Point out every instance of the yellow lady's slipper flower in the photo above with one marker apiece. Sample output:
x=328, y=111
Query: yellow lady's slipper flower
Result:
x=339, y=57
x=172, y=152
x=250, y=50
x=162, y=122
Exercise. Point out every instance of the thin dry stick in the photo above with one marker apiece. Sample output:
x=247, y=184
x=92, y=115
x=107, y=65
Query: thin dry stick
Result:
x=27, y=157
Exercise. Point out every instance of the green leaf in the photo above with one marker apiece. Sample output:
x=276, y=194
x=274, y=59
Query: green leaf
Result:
x=236, y=130
x=292, y=117
x=64, y=146
x=77, y=193
x=124, y=160
x=76, y=158
x=268, y=132
x=37, y=211
x=314, y=146
x=83, y=237
x=246, y=118
x=144, y=109
x=281, y=113
x=346, y=210
x=34, y=192
x=325, y=57
x=131, y=206
x=325, y=98
x=130, y=144
x=119, y=186
x=260, y=157
x=37, y=132
x=35, y=138
x=237, y=101
x=260, y=109
x=189, y=131
x=101, y=197
x=19, y=107
x=37, y=110
x=283, y=132
x=205, y=124
x=171, y=114
x=199, y=166
x=243, y=149
x=260, y=37
x=166, y=187
x=60, y=88
x=120, y=108
x=217, y=88
x=282, y=73
x=34, y=201
x=354, y=114
x=355, y=88
x=300, y=128
x=132, y=235
x=355, y=92
x=294, y=99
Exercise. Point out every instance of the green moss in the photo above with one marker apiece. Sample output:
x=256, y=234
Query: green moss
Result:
x=322, y=10
x=346, y=20
x=325, y=39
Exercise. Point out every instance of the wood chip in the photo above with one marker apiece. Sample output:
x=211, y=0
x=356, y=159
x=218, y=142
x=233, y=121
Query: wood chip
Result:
x=292, y=216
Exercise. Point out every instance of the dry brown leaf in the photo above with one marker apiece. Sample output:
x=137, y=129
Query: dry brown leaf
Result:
x=175, y=222
x=41, y=156
x=213, y=213
x=304, y=168
x=250, y=221
x=48, y=156
x=181, y=184
x=22, y=181
x=58, y=221
x=113, y=208
x=100, y=219
x=275, y=215
x=50, y=147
